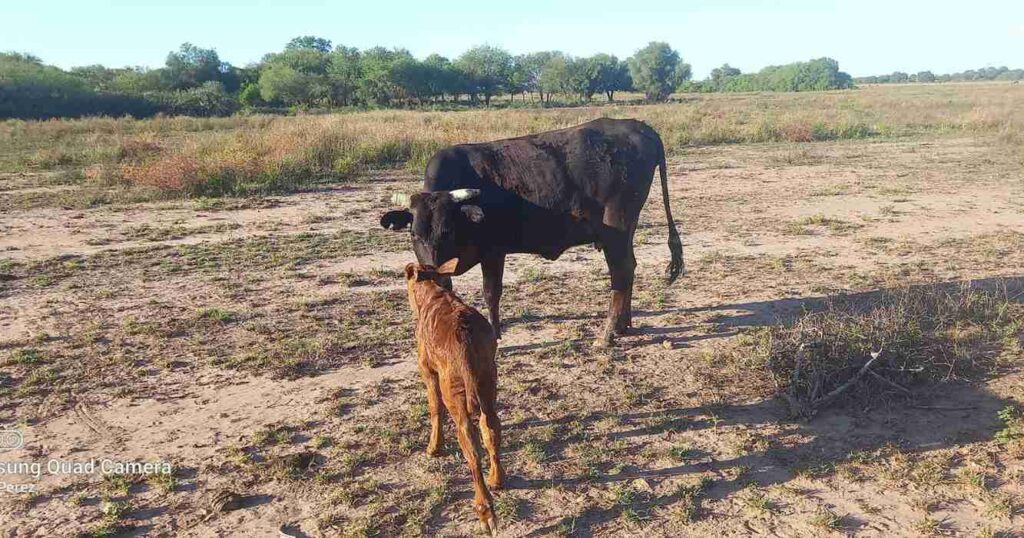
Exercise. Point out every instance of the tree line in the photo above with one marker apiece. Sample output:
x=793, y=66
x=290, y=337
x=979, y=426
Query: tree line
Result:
x=311, y=73
x=814, y=75
x=985, y=73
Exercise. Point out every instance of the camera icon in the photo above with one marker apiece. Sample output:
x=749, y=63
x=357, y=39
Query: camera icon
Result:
x=11, y=439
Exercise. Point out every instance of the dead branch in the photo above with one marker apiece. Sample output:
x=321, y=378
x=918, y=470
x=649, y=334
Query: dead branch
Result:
x=889, y=382
x=807, y=407
x=831, y=397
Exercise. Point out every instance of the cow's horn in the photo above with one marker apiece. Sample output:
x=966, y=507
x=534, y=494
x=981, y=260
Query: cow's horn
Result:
x=461, y=195
x=401, y=199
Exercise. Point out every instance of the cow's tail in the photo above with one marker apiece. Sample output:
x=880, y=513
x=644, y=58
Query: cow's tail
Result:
x=675, y=243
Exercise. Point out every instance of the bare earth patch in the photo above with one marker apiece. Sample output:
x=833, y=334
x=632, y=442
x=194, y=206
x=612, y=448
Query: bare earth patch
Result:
x=264, y=348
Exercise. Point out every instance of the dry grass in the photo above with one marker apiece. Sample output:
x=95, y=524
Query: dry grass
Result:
x=263, y=154
x=919, y=333
x=621, y=442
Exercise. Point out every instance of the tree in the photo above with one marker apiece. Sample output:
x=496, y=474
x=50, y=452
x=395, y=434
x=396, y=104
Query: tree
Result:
x=96, y=76
x=925, y=76
x=250, y=96
x=309, y=42
x=487, y=70
x=138, y=80
x=282, y=83
x=409, y=77
x=344, y=70
x=612, y=75
x=307, y=61
x=720, y=76
x=442, y=77
x=377, y=84
x=657, y=70
x=191, y=66
x=519, y=76
x=533, y=64
x=552, y=76
x=207, y=99
x=296, y=76
x=580, y=78
x=32, y=90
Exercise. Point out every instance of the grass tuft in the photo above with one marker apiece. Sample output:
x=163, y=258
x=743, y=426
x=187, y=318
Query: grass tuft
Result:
x=922, y=333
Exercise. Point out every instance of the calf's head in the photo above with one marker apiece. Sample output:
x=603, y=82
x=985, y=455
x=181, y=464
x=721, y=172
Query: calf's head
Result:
x=441, y=224
x=416, y=273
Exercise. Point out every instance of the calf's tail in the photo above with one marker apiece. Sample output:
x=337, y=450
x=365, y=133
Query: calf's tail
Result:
x=675, y=243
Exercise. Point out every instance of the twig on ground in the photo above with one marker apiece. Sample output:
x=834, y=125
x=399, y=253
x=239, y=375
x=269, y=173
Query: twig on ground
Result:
x=830, y=397
x=889, y=382
x=807, y=407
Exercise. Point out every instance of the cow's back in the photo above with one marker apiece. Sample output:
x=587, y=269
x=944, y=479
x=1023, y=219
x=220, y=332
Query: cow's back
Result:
x=555, y=170
x=545, y=192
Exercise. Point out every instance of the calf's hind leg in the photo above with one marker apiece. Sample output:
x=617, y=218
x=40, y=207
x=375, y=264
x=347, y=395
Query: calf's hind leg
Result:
x=490, y=430
x=435, y=446
x=482, y=502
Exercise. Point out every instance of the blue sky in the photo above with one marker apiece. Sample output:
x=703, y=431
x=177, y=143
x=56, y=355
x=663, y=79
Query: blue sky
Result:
x=865, y=36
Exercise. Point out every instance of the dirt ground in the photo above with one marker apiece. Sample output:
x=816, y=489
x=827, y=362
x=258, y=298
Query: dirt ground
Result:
x=263, y=347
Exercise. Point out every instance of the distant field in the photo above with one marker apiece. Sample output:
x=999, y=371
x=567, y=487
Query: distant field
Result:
x=125, y=159
x=154, y=308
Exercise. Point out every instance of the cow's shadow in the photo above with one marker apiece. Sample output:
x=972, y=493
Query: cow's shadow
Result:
x=729, y=319
x=776, y=311
x=935, y=417
x=962, y=414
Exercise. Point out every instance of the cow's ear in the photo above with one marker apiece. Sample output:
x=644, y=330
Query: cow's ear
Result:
x=396, y=220
x=448, y=268
x=473, y=213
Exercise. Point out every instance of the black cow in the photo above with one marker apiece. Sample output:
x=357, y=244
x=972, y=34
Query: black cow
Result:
x=541, y=194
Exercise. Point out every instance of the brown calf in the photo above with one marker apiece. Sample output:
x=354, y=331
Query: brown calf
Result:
x=456, y=346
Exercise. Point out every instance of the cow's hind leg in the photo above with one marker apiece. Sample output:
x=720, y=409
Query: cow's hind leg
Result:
x=493, y=268
x=618, y=253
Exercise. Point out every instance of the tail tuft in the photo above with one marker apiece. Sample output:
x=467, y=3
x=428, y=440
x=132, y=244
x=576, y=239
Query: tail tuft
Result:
x=676, y=266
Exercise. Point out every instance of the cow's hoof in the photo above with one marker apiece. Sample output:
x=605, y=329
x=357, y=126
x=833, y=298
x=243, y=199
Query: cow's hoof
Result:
x=625, y=331
x=604, y=342
x=435, y=452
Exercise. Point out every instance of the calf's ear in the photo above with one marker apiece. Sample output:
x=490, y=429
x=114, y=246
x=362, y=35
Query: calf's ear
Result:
x=410, y=271
x=448, y=267
x=396, y=220
x=473, y=213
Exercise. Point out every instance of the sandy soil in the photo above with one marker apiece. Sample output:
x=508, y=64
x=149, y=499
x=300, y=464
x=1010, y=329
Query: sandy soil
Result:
x=768, y=230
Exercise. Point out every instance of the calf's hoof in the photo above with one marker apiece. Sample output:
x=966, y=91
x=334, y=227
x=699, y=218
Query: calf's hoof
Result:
x=488, y=521
x=435, y=452
x=604, y=342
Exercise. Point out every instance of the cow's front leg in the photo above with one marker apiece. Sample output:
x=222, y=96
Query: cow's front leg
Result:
x=493, y=268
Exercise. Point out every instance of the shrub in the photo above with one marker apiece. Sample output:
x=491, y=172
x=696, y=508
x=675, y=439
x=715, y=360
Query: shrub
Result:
x=886, y=343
